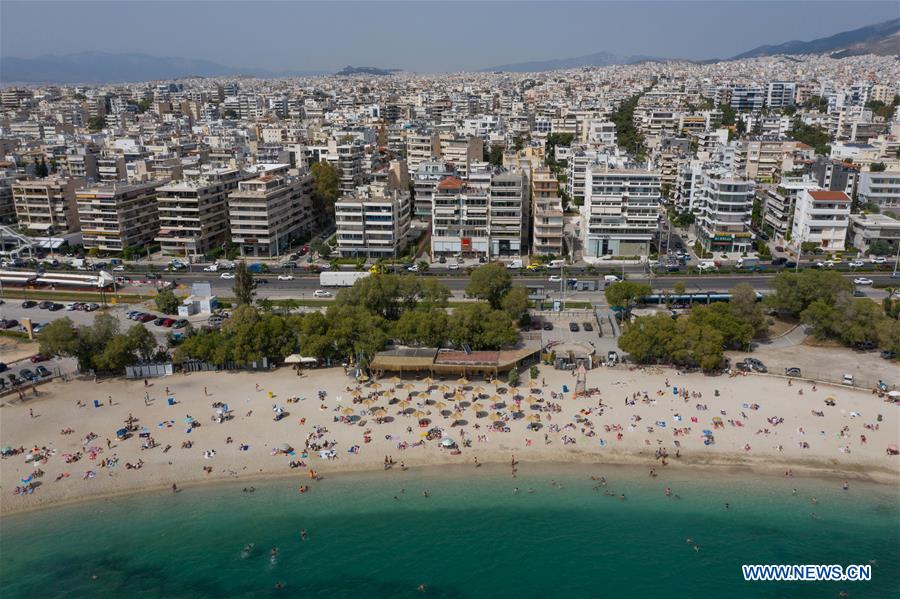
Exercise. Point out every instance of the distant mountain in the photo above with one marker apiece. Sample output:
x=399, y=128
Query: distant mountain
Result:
x=881, y=38
x=598, y=59
x=350, y=70
x=103, y=67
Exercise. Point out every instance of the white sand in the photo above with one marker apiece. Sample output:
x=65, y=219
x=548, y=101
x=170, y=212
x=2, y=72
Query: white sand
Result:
x=56, y=408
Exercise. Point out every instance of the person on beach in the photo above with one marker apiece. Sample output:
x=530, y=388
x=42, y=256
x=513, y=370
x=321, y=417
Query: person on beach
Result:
x=174, y=488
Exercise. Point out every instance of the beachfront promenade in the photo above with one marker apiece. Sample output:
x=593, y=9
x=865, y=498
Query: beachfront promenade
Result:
x=633, y=416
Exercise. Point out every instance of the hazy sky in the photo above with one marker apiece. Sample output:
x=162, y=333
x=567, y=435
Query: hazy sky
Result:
x=425, y=36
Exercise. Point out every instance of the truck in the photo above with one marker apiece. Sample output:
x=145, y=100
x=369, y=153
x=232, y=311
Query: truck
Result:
x=256, y=267
x=747, y=262
x=341, y=278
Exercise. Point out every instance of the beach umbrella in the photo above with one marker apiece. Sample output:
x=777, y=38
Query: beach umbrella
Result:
x=495, y=397
x=404, y=403
x=496, y=416
x=376, y=385
x=27, y=479
x=355, y=393
x=531, y=399
x=443, y=388
x=462, y=381
x=496, y=382
x=395, y=379
x=368, y=401
x=440, y=405
x=363, y=378
x=419, y=414
x=285, y=447
x=457, y=415
x=347, y=411
x=379, y=413
x=477, y=406
x=458, y=396
x=428, y=380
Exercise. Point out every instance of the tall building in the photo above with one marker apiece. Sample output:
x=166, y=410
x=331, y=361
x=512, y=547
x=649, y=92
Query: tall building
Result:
x=47, y=206
x=193, y=212
x=508, y=215
x=425, y=179
x=373, y=222
x=822, y=218
x=620, y=213
x=118, y=216
x=459, y=220
x=725, y=204
x=778, y=203
x=547, y=212
x=270, y=212
x=461, y=152
x=421, y=147
x=781, y=94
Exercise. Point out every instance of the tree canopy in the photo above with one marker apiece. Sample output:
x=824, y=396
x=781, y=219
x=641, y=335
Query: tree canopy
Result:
x=490, y=282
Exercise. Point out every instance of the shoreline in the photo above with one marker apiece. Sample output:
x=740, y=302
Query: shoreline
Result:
x=725, y=464
x=762, y=426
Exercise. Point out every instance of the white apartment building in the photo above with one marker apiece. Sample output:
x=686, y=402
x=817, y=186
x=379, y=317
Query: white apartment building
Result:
x=779, y=202
x=459, y=220
x=118, y=216
x=620, y=213
x=547, y=212
x=47, y=206
x=461, y=152
x=781, y=94
x=723, y=204
x=269, y=212
x=508, y=216
x=600, y=132
x=425, y=180
x=822, y=218
x=193, y=213
x=881, y=189
x=373, y=222
x=421, y=147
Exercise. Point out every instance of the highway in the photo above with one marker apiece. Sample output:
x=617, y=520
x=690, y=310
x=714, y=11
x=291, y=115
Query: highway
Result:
x=302, y=287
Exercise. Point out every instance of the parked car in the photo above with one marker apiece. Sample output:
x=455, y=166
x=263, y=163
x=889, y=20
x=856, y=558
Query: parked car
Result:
x=743, y=367
x=226, y=275
x=91, y=307
x=794, y=371
x=555, y=279
x=146, y=318
x=180, y=323
x=862, y=281
x=38, y=358
x=886, y=354
x=119, y=268
x=790, y=264
x=453, y=266
x=158, y=322
x=3, y=367
x=548, y=326
x=856, y=263
x=756, y=365
x=285, y=277
x=27, y=374
x=55, y=307
x=168, y=322
x=45, y=305
x=848, y=379
x=587, y=326
x=879, y=260
x=321, y=293
x=8, y=324
x=42, y=372
x=573, y=327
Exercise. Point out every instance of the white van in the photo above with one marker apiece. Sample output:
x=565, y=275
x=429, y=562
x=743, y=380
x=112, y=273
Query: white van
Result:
x=515, y=264
x=557, y=263
x=707, y=265
x=611, y=279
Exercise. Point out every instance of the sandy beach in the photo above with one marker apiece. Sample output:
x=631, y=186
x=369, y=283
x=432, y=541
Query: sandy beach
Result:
x=635, y=416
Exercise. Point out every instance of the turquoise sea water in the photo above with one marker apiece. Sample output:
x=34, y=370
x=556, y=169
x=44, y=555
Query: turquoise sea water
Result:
x=473, y=537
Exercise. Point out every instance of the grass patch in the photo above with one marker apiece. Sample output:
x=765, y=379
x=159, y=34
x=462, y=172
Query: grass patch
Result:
x=14, y=334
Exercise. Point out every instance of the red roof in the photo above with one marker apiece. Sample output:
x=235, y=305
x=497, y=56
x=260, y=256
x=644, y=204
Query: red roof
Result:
x=450, y=183
x=829, y=196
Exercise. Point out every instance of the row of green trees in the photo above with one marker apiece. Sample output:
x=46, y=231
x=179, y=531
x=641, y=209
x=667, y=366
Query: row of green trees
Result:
x=363, y=318
x=627, y=135
x=824, y=300
x=698, y=340
x=100, y=346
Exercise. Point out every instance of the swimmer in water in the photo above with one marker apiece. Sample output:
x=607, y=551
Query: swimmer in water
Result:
x=622, y=497
x=516, y=490
x=421, y=588
x=425, y=494
x=727, y=506
x=279, y=585
x=668, y=492
x=794, y=492
x=303, y=534
x=814, y=500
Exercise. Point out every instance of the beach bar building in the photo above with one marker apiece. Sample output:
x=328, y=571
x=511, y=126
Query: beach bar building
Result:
x=453, y=363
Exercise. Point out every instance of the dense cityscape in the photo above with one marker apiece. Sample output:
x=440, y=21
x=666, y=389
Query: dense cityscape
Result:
x=445, y=268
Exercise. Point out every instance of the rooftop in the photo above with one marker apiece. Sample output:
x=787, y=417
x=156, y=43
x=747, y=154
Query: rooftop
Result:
x=829, y=196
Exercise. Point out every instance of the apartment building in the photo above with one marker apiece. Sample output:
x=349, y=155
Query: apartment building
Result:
x=547, y=212
x=600, y=132
x=269, y=212
x=82, y=165
x=193, y=212
x=881, y=189
x=425, y=179
x=373, y=222
x=47, y=206
x=867, y=229
x=761, y=158
x=835, y=175
x=461, y=152
x=508, y=214
x=723, y=204
x=459, y=219
x=116, y=216
x=620, y=213
x=348, y=158
x=779, y=202
x=111, y=168
x=747, y=97
x=781, y=94
x=421, y=147
x=822, y=218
